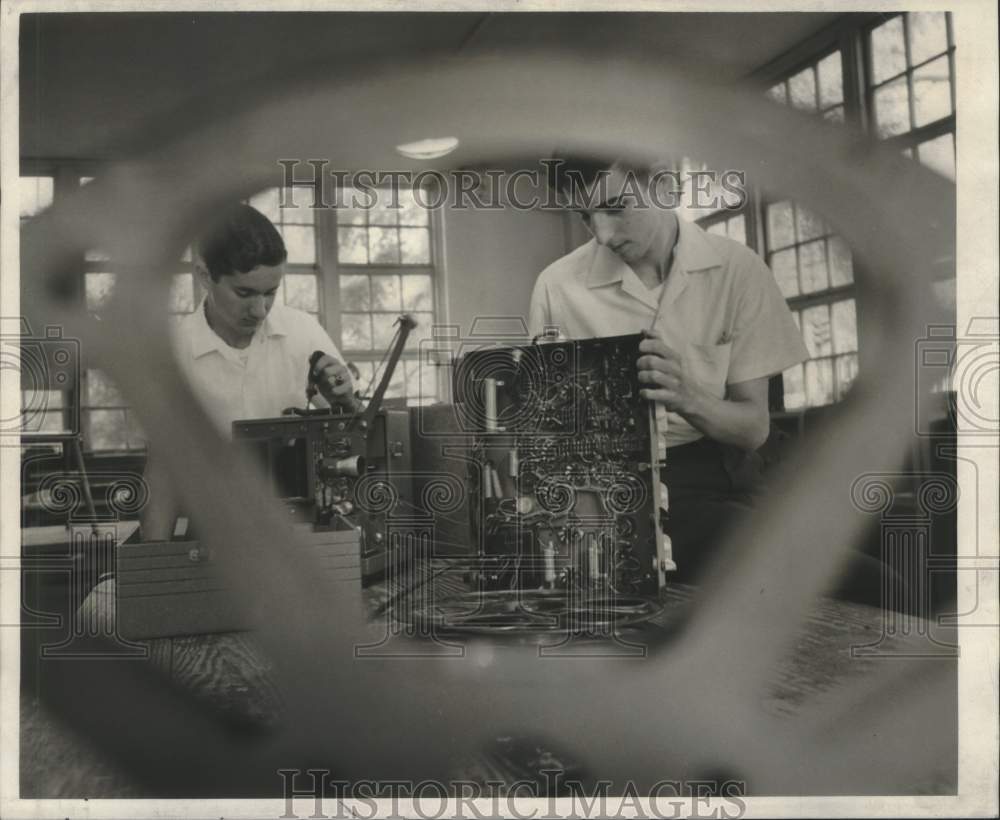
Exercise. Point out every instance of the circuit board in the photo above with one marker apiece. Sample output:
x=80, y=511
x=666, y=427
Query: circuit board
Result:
x=563, y=472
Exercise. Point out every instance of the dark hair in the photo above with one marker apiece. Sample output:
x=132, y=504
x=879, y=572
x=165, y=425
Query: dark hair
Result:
x=565, y=171
x=239, y=241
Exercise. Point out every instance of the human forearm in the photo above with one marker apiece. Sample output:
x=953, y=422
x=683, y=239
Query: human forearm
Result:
x=740, y=419
x=742, y=423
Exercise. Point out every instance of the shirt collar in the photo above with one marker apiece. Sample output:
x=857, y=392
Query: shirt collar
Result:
x=204, y=340
x=693, y=252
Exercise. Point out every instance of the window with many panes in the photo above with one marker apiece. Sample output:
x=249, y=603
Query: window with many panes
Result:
x=911, y=93
x=911, y=86
x=42, y=411
x=296, y=222
x=109, y=425
x=734, y=227
x=814, y=272
x=355, y=269
x=385, y=267
x=813, y=266
x=908, y=79
x=818, y=87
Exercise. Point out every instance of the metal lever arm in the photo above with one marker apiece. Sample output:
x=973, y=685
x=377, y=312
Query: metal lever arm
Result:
x=406, y=324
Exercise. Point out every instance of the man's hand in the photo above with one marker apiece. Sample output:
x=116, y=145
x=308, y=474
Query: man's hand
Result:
x=667, y=373
x=333, y=380
x=740, y=419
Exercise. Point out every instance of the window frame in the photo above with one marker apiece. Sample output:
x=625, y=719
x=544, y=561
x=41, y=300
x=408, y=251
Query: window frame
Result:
x=67, y=176
x=913, y=136
x=332, y=269
x=851, y=35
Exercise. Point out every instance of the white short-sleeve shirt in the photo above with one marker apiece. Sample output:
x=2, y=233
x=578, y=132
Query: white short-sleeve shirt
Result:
x=258, y=381
x=719, y=303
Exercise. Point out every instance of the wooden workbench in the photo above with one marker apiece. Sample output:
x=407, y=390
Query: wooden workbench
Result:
x=228, y=672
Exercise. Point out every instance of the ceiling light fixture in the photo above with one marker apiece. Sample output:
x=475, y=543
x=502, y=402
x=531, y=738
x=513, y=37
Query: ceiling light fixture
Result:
x=430, y=148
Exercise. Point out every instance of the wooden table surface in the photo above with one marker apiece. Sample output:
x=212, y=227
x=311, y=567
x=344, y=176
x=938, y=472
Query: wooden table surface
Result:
x=229, y=672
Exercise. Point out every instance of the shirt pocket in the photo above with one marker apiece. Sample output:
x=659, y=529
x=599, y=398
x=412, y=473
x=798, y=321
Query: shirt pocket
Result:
x=709, y=364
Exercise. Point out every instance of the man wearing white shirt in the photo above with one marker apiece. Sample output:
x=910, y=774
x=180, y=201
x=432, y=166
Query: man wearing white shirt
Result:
x=244, y=356
x=717, y=328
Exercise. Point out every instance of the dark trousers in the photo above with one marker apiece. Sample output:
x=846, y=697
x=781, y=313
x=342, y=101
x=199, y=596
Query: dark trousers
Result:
x=711, y=487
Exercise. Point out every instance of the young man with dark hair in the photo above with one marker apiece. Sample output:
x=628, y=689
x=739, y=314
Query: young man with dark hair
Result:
x=717, y=328
x=244, y=355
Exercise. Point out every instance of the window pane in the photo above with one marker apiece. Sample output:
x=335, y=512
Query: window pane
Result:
x=383, y=213
x=785, y=272
x=411, y=213
x=888, y=52
x=365, y=384
x=737, y=228
x=812, y=264
x=841, y=267
x=354, y=293
x=383, y=245
x=352, y=246
x=182, y=293
x=845, y=326
x=808, y=225
x=35, y=194
x=43, y=421
x=106, y=429
x=267, y=203
x=384, y=326
x=355, y=331
x=831, y=83
x=816, y=330
x=425, y=324
x=417, y=293
x=835, y=114
x=41, y=411
x=32, y=400
x=299, y=206
x=415, y=246
x=794, y=388
x=301, y=292
x=351, y=212
x=802, y=90
x=928, y=35
x=938, y=154
x=781, y=231
x=892, y=109
x=819, y=383
x=847, y=371
x=101, y=391
x=397, y=384
x=386, y=293
x=98, y=287
x=931, y=92
x=300, y=242
x=777, y=93
x=136, y=435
